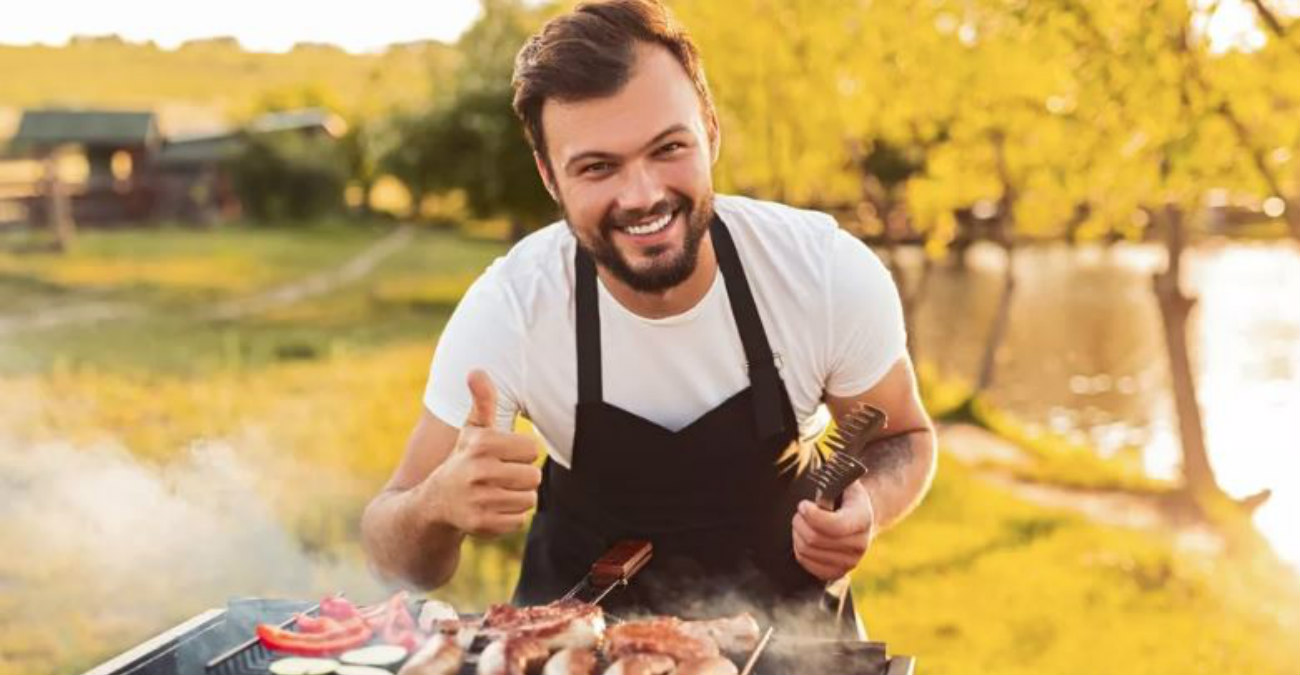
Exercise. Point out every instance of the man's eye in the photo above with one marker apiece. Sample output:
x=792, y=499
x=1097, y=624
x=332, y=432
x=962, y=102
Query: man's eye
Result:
x=667, y=148
x=595, y=167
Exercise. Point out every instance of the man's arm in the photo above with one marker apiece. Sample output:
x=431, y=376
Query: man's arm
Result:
x=900, y=467
x=450, y=482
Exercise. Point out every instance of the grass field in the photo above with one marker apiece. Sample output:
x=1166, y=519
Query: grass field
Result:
x=157, y=464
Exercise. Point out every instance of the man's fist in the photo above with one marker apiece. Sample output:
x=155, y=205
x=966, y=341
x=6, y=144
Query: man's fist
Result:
x=829, y=544
x=488, y=484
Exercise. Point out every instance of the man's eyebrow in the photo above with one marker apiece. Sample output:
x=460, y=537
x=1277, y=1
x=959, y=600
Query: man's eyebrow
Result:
x=597, y=154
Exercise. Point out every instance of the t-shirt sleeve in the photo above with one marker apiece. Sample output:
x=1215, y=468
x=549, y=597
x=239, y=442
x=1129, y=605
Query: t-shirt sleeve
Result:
x=867, y=333
x=485, y=331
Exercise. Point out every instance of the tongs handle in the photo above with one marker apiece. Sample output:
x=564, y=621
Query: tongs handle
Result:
x=615, y=568
x=621, y=562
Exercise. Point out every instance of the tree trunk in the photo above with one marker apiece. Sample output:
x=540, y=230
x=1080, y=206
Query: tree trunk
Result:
x=367, y=208
x=1175, y=309
x=58, y=204
x=998, y=327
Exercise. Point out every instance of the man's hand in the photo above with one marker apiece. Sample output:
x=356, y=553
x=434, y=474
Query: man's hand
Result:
x=829, y=544
x=489, y=482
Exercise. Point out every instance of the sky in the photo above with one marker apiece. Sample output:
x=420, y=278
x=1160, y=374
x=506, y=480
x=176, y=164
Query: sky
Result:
x=260, y=25
x=275, y=25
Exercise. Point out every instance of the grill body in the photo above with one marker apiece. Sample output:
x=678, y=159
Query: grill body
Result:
x=188, y=647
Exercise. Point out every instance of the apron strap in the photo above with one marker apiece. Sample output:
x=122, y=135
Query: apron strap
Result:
x=588, y=328
x=763, y=375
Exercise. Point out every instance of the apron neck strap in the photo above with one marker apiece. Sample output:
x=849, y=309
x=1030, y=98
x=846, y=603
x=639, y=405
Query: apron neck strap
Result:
x=763, y=375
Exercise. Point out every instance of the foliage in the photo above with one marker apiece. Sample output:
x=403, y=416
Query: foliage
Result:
x=289, y=176
x=471, y=140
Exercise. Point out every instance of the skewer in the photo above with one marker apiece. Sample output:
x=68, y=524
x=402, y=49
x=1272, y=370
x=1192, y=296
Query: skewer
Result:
x=758, y=651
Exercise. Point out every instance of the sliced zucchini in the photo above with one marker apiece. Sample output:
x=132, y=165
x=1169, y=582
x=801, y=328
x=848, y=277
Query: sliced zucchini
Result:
x=361, y=670
x=377, y=655
x=298, y=665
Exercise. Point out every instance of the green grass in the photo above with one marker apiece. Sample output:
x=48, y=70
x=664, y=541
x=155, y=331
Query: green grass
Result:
x=175, y=274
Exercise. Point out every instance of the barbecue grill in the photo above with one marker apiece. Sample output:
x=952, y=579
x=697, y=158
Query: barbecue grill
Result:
x=189, y=648
x=217, y=642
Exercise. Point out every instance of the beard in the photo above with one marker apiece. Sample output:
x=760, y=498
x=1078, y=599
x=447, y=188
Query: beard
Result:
x=668, y=268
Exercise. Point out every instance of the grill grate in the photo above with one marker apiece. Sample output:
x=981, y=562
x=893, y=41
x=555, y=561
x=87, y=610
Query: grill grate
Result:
x=185, y=649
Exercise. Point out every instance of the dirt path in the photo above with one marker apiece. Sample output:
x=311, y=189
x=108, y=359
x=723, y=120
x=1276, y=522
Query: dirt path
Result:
x=994, y=459
x=298, y=290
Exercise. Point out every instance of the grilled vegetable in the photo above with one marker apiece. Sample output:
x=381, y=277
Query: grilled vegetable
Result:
x=377, y=655
x=361, y=670
x=295, y=665
x=347, y=635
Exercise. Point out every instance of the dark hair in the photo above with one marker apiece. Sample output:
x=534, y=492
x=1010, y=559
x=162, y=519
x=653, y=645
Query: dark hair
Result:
x=589, y=53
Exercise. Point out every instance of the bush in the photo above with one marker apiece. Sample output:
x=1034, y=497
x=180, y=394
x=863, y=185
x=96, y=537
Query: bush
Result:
x=290, y=176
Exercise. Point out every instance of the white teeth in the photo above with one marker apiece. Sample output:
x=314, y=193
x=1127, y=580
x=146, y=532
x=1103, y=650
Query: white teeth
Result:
x=650, y=227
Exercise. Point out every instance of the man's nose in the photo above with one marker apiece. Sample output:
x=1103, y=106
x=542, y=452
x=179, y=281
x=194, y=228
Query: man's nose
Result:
x=641, y=189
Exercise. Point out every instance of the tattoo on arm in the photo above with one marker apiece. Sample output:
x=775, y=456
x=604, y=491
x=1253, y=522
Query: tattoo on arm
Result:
x=889, y=456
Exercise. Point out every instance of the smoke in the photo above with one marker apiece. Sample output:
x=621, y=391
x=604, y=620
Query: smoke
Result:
x=103, y=550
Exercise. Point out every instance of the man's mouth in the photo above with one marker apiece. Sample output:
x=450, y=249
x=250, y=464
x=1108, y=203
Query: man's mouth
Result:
x=650, y=227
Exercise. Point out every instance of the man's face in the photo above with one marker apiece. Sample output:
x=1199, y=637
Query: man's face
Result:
x=632, y=173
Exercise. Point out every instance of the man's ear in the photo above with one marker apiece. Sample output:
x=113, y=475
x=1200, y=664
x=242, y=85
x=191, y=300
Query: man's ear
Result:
x=547, y=179
x=715, y=137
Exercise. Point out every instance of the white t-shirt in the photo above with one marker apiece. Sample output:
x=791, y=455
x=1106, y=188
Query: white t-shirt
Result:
x=829, y=307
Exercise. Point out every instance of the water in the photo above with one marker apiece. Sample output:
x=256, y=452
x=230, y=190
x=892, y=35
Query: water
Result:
x=1084, y=356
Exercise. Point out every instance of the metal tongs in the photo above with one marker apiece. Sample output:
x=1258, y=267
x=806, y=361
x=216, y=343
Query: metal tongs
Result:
x=613, y=570
x=847, y=462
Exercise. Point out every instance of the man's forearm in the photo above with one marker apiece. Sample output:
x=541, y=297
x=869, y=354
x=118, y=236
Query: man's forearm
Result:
x=899, y=469
x=405, y=543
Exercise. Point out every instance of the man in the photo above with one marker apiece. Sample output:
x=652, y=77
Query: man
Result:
x=669, y=346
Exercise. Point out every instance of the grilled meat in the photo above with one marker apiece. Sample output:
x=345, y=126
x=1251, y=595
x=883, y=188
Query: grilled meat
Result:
x=571, y=661
x=566, y=623
x=434, y=613
x=642, y=664
x=660, y=635
x=439, y=656
x=714, y=665
x=513, y=656
x=739, y=633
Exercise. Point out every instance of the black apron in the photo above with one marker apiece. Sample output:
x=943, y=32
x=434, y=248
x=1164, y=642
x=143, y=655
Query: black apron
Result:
x=710, y=497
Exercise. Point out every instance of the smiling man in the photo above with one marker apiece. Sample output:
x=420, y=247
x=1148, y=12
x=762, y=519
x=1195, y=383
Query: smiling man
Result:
x=669, y=345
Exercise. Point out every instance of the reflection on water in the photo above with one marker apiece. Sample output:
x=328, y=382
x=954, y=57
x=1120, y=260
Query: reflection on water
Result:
x=1084, y=355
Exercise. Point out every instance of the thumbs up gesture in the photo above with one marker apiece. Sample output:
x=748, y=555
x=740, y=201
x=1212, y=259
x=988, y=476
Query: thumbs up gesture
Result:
x=488, y=484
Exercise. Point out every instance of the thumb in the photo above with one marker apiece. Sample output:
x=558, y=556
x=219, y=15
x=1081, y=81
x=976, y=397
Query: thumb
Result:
x=483, y=410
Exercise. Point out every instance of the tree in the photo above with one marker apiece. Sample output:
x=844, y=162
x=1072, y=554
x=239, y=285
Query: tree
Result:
x=471, y=140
